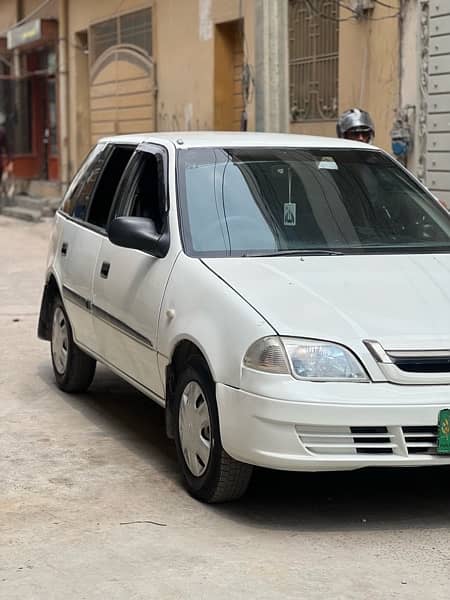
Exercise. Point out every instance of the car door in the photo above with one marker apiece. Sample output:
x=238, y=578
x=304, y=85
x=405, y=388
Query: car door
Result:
x=129, y=284
x=85, y=213
x=79, y=246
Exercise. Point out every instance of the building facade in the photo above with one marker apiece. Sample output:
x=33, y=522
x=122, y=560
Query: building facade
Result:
x=28, y=88
x=72, y=71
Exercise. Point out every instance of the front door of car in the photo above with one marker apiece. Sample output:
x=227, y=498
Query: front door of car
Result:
x=129, y=284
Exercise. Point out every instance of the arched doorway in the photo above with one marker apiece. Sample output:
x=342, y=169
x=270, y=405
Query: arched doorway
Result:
x=122, y=93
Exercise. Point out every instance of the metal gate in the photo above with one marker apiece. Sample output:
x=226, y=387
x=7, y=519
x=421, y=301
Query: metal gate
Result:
x=122, y=93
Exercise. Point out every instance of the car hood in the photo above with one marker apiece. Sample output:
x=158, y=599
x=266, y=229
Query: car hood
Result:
x=400, y=301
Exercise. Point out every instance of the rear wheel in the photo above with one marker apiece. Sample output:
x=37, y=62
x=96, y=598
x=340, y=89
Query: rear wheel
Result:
x=210, y=474
x=74, y=370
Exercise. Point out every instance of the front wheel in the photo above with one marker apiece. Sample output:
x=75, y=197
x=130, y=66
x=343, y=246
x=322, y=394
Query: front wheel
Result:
x=210, y=474
x=74, y=370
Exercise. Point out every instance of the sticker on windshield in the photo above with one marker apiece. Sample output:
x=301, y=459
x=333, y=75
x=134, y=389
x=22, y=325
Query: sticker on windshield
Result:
x=328, y=162
x=290, y=213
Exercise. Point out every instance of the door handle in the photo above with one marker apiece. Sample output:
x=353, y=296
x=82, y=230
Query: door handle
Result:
x=64, y=248
x=104, y=271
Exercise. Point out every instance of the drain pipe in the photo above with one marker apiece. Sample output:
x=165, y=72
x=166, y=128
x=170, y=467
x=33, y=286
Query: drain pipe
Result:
x=64, y=173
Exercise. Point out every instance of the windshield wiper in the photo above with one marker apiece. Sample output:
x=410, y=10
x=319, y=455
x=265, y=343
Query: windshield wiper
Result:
x=308, y=252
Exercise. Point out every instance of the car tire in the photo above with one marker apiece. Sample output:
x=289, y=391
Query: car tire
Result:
x=74, y=370
x=209, y=473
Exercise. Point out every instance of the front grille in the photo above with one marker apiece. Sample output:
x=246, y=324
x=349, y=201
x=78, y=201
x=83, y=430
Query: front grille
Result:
x=389, y=440
x=418, y=364
x=417, y=367
x=372, y=440
x=421, y=439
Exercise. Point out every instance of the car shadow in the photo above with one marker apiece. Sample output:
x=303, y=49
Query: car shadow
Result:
x=367, y=499
x=124, y=413
x=372, y=499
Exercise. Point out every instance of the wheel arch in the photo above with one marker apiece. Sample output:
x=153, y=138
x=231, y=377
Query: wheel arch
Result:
x=182, y=353
x=51, y=291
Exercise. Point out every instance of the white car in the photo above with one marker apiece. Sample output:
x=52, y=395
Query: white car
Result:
x=285, y=298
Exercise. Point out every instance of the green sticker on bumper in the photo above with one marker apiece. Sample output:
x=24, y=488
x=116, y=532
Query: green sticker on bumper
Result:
x=443, y=439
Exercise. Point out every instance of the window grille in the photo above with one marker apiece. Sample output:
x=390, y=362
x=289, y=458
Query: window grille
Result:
x=136, y=29
x=103, y=36
x=313, y=59
x=132, y=29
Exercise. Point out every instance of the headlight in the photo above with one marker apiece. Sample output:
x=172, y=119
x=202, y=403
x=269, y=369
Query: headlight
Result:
x=305, y=359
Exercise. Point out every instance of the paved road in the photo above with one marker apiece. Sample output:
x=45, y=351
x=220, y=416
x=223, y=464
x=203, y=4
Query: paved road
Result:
x=91, y=505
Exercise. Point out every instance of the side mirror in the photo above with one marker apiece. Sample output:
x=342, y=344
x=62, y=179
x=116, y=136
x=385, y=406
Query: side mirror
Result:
x=139, y=234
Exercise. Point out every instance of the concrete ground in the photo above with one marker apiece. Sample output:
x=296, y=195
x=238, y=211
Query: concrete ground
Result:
x=91, y=504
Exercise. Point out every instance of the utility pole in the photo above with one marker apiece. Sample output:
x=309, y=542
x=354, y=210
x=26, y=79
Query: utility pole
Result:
x=272, y=69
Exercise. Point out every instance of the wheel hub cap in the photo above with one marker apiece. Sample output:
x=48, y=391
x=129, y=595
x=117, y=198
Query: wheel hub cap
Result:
x=60, y=341
x=195, y=428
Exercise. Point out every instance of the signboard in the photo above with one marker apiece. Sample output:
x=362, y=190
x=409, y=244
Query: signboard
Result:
x=24, y=34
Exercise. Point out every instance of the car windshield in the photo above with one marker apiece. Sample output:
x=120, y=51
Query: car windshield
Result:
x=260, y=201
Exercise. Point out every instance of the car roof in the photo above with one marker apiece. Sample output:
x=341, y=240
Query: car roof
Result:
x=200, y=139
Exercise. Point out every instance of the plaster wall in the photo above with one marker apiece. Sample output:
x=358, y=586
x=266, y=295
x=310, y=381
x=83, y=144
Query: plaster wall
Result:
x=9, y=12
x=183, y=52
x=369, y=71
x=49, y=11
x=8, y=15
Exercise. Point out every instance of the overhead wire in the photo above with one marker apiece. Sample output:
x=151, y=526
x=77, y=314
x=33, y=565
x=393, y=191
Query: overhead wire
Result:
x=394, y=16
x=347, y=7
x=386, y=5
x=316, y=11
x=356, y=15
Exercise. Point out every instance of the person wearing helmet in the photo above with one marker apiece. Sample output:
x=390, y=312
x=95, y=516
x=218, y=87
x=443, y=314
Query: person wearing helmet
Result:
x=356, y=124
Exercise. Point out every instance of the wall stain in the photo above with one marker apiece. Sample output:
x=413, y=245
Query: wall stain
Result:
x=180, y=119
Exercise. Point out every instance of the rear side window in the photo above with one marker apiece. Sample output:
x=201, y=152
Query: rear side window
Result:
x=77, y=196
x=92, y=190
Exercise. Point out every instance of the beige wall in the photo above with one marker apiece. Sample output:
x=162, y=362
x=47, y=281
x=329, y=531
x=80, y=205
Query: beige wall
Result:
x=50, y=11
x=185, y=59
x=81, y=15
x=183, y=50
x=369, y=68
x=327, y=128
x=8, y=14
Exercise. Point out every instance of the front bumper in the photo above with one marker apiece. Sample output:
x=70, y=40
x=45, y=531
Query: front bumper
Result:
x=340, y=427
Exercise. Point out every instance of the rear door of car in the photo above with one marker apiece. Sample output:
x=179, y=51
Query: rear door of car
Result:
x=85, y=213
x=129, y=284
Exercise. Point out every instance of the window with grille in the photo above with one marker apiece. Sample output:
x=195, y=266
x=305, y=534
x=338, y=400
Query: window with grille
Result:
x=313, y=59
x=133, y=29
